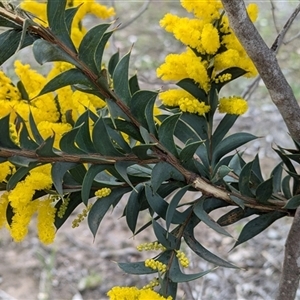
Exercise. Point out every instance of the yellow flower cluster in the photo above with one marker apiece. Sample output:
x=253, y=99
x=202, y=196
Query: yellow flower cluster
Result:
x=38, y=8
x=151, y=246
x=183, y=260
x=155, y=265
x=212, y=47
x=133, y=293
x=152, y=284
x=184, y=100
x=63, y=208
x=80, y=217
x=233, y=105
x=104, y=192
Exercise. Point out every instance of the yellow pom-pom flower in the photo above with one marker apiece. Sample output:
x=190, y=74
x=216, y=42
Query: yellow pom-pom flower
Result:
x=233, y=105
x=104, y=192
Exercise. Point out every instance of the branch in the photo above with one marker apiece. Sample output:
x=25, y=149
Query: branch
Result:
x=266, y=63
x=289, y=281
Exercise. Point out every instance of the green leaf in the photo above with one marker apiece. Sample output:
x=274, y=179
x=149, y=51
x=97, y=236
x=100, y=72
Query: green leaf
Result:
x=44, y=51
x=286, y=187
x=4, y=22
x=128, y=128
x=190, y=86
x=113, y=62
x=102, y=140
x=101, y=206
x=164, y=237
x=173, y=205
x=22, y=161
x=120, y=79
x=5, y=139
x=235, y=215
x=46, y=148
x=231, y=143
x=35, y=132
x=69, y=16
x=25, y=140
x=204, y=217
x=198, y=123
x=19, y=175
x=134, y=84
x=293, y=202
x=67, y=142
x=58, y=172
x=256, y=169
x=204, y=253
x=187, y=153
x=121, y=168
x=276, y=174
x=57, y=22
x=9, y=43
x=137, y=268
x=83, y=139
x=234, y=71
x=75, y=200
x=160, y=206
x=70, y=77
x=88, y=181
x=141, y=107
x=222, y=171
x=245, y=180
x=238, y=201
x=162, y=172
x=222, y=129
x=133, y=206
x=143, y=151
x=166, y=133
x=176, y=275
x=257, y=225
x=264, y=191
x=88, y=46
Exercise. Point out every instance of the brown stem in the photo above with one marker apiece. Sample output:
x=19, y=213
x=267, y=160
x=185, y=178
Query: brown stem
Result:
x=290, y=276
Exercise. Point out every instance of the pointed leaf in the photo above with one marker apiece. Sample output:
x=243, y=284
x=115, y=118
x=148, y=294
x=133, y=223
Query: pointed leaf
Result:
x=204, y=217
x=57, y=23
x=164, y=237
x=58, y=172
x=121, y=167
x=22, y=161
x=231, y=143
x=293, y=202
x=134, y=84
x=187, y=153
x=264, y=191
x=44, y=52
x=137, y=268
x=46, y=148
x=5, y=139
x=101, y=206
x=113, y=62
x=89, y=44
x=25, y=140
x=257, y=225
x=70, y=77
x=235, y=73
x=162, y=172
x=120, y=79
x=190, y=86
x=245, y=180
x=35, y=132
x=166, y=133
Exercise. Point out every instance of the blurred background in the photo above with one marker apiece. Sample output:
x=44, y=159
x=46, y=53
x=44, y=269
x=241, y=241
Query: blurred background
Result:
x=77, y=267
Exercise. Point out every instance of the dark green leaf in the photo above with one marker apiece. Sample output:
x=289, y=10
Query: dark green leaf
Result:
x=176, y=275
x=46, y=148
x=137, y=268
x=187, y=153
x=134, y=84
x=257, y=225
x=166, y=133
x=198, y=123
x=70, y=77
x=204, y=253
x=75, y=200
x=101, y=206
x=173, y=205
x=142, y=104
x=120, y=79
x=57, y=22
x=121, y=168
x=113, y=62
x=234, y=71
x=235, y=215
x=256, y=169
x=4, y=22
x=35, y=132
x=222, y=171
x=164, y=237
x=67, y=142
x=25, y=140
x=286, y=187
x=88, y=181
x=264, y=191
x=293, y=202
x=5, y=139
x=44, y=52
x=58, y=171
x=204, y=217
x=245, y=180
x=22, y=161
x=9, y=43
x=88, y=46
x=162, y=172
x=231, y=143
x=143, y=151
x=190, y=86
x=277, y=176
x=129, y=129
x=69, y=16
x=238, y=201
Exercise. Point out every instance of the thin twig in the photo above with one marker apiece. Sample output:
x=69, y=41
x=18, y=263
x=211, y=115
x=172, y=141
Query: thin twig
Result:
x=273, y=8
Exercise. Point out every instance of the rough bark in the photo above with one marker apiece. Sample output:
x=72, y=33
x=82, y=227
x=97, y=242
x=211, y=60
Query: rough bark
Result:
x=289, y=280
x=266, y=63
